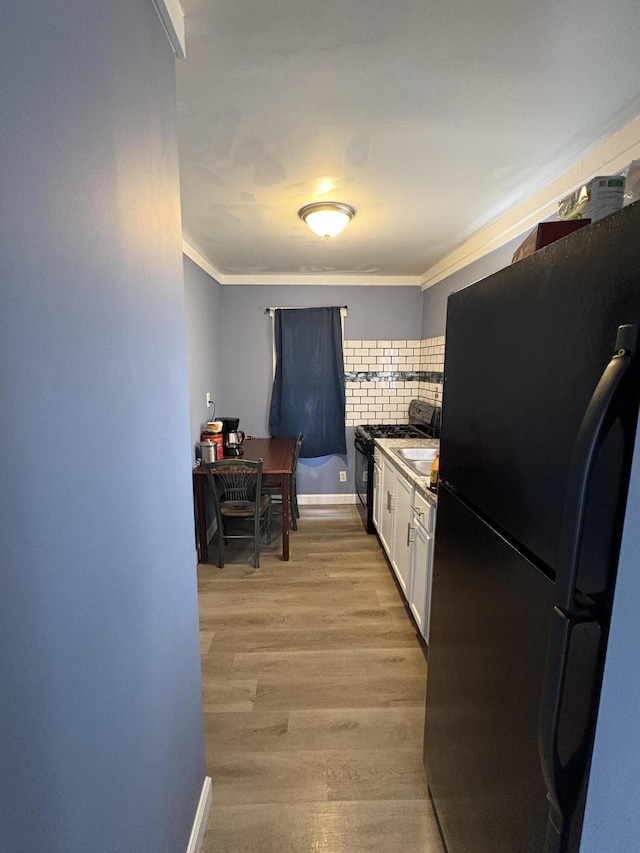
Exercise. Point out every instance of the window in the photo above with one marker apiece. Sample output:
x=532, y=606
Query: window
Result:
x=308, y=387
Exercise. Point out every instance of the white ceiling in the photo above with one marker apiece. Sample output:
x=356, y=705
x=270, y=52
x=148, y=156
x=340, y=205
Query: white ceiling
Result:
x=431, y=117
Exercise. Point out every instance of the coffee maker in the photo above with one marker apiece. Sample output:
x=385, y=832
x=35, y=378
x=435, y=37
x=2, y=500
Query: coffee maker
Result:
x=232, y=437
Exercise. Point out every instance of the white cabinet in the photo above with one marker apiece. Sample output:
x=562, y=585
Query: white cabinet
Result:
x=421, y=572
x=396, y=495
x=377, y=489
x=401, y=543
x=405, y=521
x=387, y=484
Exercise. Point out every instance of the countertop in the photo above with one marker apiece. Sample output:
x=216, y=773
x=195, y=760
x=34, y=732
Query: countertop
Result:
x=389, y=445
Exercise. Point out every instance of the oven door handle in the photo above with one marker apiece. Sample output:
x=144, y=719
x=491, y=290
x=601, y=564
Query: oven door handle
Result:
x=361, y=446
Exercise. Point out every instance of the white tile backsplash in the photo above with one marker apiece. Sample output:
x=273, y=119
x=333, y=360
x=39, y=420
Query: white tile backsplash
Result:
x=382, y=400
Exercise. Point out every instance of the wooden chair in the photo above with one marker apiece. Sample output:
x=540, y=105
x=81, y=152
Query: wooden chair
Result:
x=275, y=490
x=237, y=493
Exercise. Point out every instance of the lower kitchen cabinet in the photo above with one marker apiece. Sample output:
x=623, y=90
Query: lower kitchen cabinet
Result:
x=419, y=597
x=395, y=515
x=385, y=502
x=400, y=555
x=377, y=489
x=405, y=522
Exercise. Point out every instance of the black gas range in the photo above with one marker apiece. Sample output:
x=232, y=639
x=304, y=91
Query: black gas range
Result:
x=424, y=422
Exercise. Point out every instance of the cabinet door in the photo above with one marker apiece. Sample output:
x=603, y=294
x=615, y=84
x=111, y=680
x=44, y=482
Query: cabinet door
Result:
x=387, y=480
x=377, y=495
x=401, y=545
x=421, y=570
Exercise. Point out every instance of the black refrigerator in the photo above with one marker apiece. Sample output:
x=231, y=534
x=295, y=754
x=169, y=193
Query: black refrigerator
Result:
x=540, y=405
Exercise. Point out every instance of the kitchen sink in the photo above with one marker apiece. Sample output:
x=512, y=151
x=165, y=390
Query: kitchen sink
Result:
x=422, y=468
x=419, y=459
x=417, y=454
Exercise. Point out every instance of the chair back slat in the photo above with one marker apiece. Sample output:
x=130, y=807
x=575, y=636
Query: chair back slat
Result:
x=236, y=485
x=235, y=482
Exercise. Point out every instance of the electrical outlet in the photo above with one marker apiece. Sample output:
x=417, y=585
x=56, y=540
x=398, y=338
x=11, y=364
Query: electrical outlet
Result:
x=208, y=399
x=343, y=476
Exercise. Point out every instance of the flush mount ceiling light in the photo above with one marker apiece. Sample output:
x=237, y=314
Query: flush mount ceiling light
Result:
x=327, y=218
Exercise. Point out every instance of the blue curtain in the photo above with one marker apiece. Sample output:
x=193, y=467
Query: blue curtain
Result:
x=308, y=388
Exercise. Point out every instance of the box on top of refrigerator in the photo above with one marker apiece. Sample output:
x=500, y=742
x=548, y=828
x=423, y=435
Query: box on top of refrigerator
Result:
x=594, y=200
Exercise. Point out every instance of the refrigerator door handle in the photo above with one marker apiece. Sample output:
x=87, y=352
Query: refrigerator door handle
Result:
x=601, y=411
x=568, y=612
x=559, y=798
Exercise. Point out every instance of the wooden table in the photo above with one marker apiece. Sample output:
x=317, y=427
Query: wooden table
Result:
x=277, y=462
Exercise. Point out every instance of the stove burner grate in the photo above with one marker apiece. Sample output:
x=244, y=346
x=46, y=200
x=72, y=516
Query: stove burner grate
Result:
x=390, y=430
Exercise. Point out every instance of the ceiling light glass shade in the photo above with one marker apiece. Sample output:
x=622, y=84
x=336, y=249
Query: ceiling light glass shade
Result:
x=327, y=218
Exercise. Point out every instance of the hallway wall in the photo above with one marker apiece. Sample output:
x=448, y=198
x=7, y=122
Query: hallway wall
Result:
x=203, y=301
x=101, y=742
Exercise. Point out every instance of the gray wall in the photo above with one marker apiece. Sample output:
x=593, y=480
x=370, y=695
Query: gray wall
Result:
x=374, y=312
x=101, y=743
x=204, y=334
x=434, y=303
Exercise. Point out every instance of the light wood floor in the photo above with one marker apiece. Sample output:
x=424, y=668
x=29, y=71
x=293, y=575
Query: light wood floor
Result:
x=314, y=687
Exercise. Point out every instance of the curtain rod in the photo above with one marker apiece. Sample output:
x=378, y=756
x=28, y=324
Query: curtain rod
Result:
x=293, y=308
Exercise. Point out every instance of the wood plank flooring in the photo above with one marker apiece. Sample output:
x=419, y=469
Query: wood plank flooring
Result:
x=313, y=686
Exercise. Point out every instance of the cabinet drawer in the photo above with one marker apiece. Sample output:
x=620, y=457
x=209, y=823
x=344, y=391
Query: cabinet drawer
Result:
x=424, y=513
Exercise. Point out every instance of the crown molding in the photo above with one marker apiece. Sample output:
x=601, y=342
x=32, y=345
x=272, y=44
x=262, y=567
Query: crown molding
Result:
x=616, y=152
x=202, y=262
x=172, y=16
x=324, y=279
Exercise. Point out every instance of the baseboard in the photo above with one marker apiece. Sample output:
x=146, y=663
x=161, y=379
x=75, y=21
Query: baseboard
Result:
x=325, y=500
x=200, y=820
